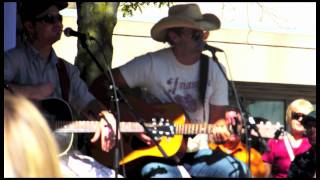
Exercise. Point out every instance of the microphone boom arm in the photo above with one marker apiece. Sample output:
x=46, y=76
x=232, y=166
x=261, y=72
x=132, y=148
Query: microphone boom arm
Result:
x=213, y=50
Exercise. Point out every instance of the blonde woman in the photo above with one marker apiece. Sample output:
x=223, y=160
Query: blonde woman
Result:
x=283, y=150
x=30, y=149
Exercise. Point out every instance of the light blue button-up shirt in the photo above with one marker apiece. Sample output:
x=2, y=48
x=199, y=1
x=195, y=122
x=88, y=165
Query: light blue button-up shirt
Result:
x=25, y=66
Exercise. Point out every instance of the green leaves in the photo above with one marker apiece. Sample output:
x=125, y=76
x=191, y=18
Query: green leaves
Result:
x=129, y=7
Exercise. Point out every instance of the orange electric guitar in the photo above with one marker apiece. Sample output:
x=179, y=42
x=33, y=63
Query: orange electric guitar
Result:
x=172, y=140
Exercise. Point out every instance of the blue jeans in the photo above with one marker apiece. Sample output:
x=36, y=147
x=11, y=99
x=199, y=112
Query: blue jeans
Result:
x=206, y=163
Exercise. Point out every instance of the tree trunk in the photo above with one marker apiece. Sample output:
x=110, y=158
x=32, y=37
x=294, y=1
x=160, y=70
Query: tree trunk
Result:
x=98, y=19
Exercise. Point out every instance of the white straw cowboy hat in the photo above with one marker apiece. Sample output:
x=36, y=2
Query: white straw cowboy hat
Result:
x=185, y=15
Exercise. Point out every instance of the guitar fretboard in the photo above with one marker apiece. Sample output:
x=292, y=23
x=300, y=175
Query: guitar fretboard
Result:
x=84, y=126
x=130, y=127
x=90, y=126
x=196, y=128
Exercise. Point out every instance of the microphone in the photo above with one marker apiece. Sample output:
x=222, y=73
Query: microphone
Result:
x=264, y=146
x=211, y=48
x=278, y=133
x=70, y=32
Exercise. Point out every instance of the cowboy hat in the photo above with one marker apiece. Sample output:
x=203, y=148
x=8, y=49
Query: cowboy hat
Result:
x=185, y=15
x=310, y=118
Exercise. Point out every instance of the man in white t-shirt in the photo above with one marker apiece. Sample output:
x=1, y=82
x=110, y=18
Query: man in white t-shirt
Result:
x=172, y=75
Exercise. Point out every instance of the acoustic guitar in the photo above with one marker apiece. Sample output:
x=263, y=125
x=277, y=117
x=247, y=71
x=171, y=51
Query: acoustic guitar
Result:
x=176, y=125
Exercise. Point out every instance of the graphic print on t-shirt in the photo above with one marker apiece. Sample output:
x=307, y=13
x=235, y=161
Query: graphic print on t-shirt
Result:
x=180, y=91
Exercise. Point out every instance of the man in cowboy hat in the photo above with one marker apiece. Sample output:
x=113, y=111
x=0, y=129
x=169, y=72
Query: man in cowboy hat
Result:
x=172, y=75
x=32, y=69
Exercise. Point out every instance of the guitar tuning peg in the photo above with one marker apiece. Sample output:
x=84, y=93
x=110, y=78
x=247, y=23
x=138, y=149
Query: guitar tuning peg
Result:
x=155, y=129
x=268, y=123
x=167, y=122
x=160, y=123
x=172, y=130
x=154, y=123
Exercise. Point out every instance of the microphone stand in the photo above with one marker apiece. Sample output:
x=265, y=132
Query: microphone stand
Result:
x=85, y=46
x=244, y=116
x=116, y=149
x=135, y=114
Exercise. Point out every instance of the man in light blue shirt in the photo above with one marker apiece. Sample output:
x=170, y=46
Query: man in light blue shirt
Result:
x=31, y=70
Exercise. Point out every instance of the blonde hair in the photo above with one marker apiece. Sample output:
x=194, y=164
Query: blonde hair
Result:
x=30, y=149
x=298, y=104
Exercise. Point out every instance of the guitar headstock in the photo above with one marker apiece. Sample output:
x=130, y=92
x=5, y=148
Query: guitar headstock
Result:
x=267, y=130
x=161, y=127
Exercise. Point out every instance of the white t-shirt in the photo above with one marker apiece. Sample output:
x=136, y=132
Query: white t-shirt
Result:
x=170, y=81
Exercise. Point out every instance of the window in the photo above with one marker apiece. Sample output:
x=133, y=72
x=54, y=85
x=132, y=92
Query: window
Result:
x=270, y=100
x=271, y=110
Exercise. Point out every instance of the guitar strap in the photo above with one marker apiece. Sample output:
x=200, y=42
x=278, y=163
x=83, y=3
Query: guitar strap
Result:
x=204, y=68
x=288, y=147
x=184, y=173
x=204, y=59
x=64, y=79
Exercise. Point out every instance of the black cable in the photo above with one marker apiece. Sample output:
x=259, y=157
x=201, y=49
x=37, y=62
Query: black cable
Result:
x=229, y=42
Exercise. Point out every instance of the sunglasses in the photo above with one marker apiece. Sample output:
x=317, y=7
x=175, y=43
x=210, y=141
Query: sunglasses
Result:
x=295, y=115
x=306, y=120
x=197, y=35
x=50, y=19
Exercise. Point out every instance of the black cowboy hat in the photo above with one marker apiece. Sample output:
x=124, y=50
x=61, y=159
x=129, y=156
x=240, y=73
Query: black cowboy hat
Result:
x=309, y=119
x=31, y=9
